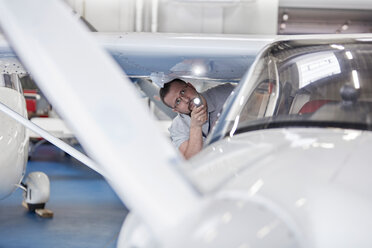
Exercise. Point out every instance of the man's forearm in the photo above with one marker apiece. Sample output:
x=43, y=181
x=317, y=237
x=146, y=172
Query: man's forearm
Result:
x=195, y=142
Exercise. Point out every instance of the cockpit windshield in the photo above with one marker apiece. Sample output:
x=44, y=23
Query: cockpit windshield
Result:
x=300, y=83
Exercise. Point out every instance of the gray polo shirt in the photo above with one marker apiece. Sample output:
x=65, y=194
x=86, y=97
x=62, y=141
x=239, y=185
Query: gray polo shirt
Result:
x=215, y=97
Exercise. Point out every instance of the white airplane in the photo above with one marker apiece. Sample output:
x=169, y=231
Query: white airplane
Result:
x=215, y=59
x=286, y=165
x=14, y=136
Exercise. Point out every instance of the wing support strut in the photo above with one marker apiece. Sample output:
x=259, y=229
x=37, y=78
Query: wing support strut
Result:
x=55, y=141
x=83, y=83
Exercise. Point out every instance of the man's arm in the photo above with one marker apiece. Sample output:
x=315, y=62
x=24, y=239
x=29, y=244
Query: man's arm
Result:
x=194, y=144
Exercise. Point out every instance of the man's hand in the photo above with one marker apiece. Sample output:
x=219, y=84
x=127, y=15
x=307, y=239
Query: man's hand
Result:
x=199, y=116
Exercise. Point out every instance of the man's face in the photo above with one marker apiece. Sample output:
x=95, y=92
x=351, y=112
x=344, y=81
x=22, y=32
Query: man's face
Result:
x=179, y=97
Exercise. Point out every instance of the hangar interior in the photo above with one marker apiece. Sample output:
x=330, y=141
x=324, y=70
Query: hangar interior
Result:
x=226, y=16
x=87, y=212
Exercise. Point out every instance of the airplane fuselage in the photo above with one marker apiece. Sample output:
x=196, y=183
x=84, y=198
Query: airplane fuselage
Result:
x=13, y=142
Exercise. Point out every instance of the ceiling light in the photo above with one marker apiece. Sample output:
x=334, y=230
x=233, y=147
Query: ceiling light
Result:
x=285, y=17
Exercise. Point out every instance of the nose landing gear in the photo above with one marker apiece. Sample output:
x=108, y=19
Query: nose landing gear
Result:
x=36, y=194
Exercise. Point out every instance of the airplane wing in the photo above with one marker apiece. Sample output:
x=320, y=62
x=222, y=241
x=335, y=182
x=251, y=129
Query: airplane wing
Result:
x=219, y=58
x=201, y=59
x=214, y=57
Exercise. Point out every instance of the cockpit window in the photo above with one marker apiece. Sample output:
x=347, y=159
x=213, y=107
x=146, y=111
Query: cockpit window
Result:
x=296, y=84
x=258, y=105
x=10, y=81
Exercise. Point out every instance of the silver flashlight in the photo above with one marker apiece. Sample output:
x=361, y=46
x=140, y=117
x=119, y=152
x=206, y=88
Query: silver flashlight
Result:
x=197, y=101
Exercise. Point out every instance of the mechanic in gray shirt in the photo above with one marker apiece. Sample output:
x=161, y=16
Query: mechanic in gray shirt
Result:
x=192, y=124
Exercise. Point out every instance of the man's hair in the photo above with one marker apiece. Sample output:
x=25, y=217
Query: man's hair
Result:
x=165, y=89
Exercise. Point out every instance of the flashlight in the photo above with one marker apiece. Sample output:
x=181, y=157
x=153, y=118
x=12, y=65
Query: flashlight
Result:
x=197, y=101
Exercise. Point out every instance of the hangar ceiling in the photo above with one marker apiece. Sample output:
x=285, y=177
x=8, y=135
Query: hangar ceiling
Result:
x=228, y=16
x=180, y=16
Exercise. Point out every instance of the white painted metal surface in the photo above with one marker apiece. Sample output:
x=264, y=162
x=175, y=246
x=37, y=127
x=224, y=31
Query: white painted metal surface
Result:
x=71, y=69
x=38, y=188
x=224, y=58
x=54, y=126
x=184, y=44
x=13, y=143
x=320, y=176
x=295, y=187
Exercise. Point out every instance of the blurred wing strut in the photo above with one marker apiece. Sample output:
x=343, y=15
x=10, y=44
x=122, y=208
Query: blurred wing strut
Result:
x=103, y=109
x=55, y=141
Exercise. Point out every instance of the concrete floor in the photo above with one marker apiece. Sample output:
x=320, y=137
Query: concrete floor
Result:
x=87, y=213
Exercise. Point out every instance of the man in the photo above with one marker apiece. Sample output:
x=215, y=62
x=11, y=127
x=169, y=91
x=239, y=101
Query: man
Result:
x=192, y=124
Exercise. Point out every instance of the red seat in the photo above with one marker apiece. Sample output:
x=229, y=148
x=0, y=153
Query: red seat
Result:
x=31, y=105
x=312, y=106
